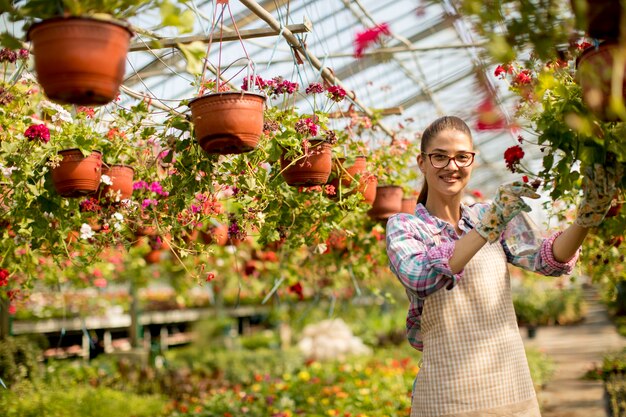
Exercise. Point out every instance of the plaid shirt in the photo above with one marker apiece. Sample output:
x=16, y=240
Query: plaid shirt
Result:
x=421, y=263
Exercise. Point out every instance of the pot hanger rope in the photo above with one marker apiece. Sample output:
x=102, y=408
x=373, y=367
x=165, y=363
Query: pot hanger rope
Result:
x=219, y=71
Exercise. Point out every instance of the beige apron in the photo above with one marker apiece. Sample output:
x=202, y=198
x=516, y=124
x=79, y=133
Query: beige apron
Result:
x=474, y=363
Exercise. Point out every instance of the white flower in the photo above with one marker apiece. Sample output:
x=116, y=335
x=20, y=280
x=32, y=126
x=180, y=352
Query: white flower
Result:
x=85, y=231
x=27, y=77
x=105, y=179
x=59, y=112
x=7, y=171
x=48, y=215
x=117, y=219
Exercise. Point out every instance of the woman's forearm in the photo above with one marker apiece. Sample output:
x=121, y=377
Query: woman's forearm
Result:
x=567, y=243
x=465, y=249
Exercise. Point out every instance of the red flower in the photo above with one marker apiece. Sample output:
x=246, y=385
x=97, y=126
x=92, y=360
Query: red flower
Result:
x=88, y=111
x=210, y=277
x=314, y=88
x=477, y=194
x=523, y=77
x=525, y=178
x=4, y=277
x=364, y=39
x=38, y=132
x=297, y=289
x=12, y=309
x=499, y=71
x=513, y=156
x=336, y=93
x=583, y=45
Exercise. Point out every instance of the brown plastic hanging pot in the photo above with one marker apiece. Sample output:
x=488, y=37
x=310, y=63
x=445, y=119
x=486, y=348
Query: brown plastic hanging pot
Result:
x=229, y=122
x=309, y=170
x=594, y=74
x=387, y=203
x=79, y=60
x=367, y=181
x=408, y=205
x=121, y=183
x=77, y=175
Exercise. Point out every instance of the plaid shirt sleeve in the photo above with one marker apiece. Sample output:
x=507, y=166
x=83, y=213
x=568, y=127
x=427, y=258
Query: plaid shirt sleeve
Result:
x=542, y=261
x=421, y=268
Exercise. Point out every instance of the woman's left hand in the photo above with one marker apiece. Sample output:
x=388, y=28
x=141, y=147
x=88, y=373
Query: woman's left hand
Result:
x=599, y=188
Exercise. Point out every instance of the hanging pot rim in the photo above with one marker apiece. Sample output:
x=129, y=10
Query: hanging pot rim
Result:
x=225, y=93
x=111, y=21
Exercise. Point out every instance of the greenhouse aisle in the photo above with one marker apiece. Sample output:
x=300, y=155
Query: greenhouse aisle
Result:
x=575, y=349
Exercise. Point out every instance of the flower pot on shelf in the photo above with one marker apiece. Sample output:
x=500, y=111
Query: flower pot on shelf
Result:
x=80, y=60
x=121, y=187
x=387, y=203
x=77, y=175
x=594, y=73
x=311, y=169
x=228, y=122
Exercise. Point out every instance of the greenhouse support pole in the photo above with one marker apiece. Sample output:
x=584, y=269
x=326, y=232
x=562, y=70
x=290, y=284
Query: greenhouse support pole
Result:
x=135, y=330
x=5, y=321
x=296, y=44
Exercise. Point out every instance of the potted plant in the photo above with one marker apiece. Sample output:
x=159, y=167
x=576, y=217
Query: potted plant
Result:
x=395, y=169
x=302, y=142
x=80, y=47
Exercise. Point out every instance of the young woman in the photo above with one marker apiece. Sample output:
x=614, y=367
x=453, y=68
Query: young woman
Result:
x=452, y=261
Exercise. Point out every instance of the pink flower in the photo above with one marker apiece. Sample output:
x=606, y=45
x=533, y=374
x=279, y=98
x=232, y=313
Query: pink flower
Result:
x=336, y=93
x=38, y=132
x=369, y=36
x=329, y=189
x=315, y=88
x=513, y=156
x=100, y=282
x=307, y=126
x=89, y=112
x=12, y=309
x=4, y=277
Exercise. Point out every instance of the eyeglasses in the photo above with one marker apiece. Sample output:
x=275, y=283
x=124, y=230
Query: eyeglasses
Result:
x=441, y=160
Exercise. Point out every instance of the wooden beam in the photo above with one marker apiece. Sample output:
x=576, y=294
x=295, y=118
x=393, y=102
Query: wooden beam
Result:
x=325, y=73
x=225, y=37
x=384, y=112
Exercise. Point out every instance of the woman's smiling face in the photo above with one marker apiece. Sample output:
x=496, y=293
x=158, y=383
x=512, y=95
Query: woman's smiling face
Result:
x=451, y=179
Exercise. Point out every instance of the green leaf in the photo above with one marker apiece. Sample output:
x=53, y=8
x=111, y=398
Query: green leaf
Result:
x=194, y=54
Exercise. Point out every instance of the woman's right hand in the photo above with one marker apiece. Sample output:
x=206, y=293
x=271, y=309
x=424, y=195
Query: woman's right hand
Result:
x=507, y=204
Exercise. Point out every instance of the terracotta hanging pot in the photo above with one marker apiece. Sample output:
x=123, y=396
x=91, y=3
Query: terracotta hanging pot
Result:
x=216, y=235
x=408, y=205
x=121, y=187
x=594, y=73
x=367, y=181
x=309, y=170
x=600, y=19
x=387, y=203
x=153, y=257
x=229, y=122
x=79, y=60
x=77, y=175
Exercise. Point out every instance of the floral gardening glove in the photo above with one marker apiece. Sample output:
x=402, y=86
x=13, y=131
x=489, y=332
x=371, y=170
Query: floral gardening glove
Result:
x=507, y=204
x=599, y=187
